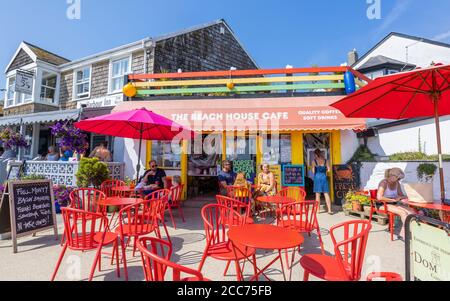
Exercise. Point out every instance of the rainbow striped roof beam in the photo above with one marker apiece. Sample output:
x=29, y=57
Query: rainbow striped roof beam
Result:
x=207, y=83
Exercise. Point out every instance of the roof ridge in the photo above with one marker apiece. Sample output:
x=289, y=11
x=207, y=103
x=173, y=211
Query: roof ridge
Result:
x=49, y=52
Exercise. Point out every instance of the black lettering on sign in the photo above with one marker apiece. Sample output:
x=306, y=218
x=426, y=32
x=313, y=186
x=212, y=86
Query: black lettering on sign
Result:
x=293, y=175
x=345, y=178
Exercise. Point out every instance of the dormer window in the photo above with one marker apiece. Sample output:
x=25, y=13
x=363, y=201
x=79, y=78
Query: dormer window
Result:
x=48, y=87
x=82, y=83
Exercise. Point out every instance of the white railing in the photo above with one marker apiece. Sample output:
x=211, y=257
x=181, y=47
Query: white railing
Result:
x=61, y=173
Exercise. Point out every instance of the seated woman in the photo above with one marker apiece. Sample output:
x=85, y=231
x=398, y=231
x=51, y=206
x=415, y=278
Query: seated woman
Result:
x=52, y=154
x=266, y=182
x=241, y=182
x=390, y=191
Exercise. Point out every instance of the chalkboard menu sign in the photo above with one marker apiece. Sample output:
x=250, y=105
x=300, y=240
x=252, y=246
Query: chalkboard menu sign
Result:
x=293, y=175
x=245, y=166
x=345, y=178
x=32, y=208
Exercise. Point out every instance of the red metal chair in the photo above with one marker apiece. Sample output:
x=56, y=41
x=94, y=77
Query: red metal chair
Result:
x=107, y=188
x=156, y=254
x=217, y=220
x=387, y=276
x=175, y=202
x=243, y=208
x=301, y=217
x=296, y=193
x=347, y=263
x=163, y=195
x=85, y=231
x=137, y=220
x=383, y=210
x=239, y=193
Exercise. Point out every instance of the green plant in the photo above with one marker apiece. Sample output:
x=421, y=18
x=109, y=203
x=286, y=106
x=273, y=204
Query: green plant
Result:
x=32, y=177
x=353, y=196
x=92, y=172
x=408, y=156
x=362, y=154
x=426, y=171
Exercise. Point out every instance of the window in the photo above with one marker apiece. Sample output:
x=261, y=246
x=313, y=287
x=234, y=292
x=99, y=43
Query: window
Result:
x=120, y=68
x=48, y=87
x=82, y=83
x=277, y=149
x=10, y=94
x=163, y=153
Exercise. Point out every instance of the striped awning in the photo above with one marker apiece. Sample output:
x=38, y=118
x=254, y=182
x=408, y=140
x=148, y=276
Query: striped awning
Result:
x=42, y=117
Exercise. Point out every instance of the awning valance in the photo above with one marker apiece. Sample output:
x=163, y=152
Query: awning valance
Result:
x=42, y=117
x=254, y=114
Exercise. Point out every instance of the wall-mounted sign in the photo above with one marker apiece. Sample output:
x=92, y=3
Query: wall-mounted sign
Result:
x=293, y=176
x=106, y=101
x=427, y=249
x=245, y=166
x=24, y=82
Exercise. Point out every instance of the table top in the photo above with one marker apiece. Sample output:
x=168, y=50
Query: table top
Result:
x=276, y=199
x=117, y=201
x=122, y=189
x=435, y=206
x=268, y=237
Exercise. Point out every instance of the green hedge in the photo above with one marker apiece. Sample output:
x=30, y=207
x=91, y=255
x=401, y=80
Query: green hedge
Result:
x=416, y=156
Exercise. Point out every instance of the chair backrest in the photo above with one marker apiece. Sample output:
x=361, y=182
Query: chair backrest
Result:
x=350, y=250
x=86, y=199
x=161, y=194
x=301, y=216
x=234, y=204
x=81, y=226
x=296, y=193
x=107, y=187
x=241, y=194
x=175, y=194
x=139, y=218
x=217, y=220
x=156, y=254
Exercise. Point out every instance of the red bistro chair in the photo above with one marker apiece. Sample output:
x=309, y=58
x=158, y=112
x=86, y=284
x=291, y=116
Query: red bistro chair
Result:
x=347, y=263
x=296, y=193
x=156, y=254
x=217, y=220
x=241, y=194
x=163, y=195
x=243, y=208
x=107, y=188
x=387, y=276
x=384, y=211
x=85, y=231
x=175, y=202
x=301, y=217
x=137, y=220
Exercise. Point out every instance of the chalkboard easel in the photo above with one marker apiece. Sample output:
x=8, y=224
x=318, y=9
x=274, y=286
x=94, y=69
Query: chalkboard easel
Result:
x=31, y=208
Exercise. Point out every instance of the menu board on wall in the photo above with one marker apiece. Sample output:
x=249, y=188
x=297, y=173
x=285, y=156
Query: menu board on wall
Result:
x=345, y=178
x=293, y=175
x=245, y=166
x=276, y=170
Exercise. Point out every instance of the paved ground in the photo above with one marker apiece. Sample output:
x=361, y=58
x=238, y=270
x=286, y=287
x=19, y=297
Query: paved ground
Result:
x=37, y=256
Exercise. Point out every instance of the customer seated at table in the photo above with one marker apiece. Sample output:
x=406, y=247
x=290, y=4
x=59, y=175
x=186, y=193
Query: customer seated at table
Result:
x=65, y=154
x=152, y=180
x=52, y=154
x=241, y=182
x=102, y=152
x=226, y=177
x=390, y=190
x=266, y=182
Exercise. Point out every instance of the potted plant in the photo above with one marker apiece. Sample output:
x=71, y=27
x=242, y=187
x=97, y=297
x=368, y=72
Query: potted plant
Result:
x=426, y=172
x=92, y=173
x=62, y=196
x=355, y=201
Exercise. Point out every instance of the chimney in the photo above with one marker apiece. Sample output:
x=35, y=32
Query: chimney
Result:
x=352, y=57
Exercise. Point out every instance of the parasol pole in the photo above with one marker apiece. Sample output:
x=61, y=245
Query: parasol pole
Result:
x=138, y=167
x=439, y=145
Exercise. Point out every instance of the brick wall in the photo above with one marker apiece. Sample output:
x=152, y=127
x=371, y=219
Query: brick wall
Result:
x=22, y=59
x=201, y=50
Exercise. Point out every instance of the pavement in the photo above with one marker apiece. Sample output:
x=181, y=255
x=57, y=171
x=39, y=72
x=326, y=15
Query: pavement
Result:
x=38, y=255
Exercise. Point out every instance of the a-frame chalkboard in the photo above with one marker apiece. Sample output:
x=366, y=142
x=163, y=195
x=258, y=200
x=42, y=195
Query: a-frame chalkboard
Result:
x=31, y=207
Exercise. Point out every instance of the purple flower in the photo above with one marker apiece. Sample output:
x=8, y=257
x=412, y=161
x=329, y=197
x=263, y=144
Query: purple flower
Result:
x=70, y=137
x=12, y=140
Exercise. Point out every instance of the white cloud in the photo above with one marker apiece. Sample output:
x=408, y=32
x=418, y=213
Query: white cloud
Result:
x=399, y=9
x=442, y=36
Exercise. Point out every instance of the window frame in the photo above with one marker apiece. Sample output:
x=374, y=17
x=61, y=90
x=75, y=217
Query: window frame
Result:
x=76, y=84
x=111, y=68
x=43, y=100
x=8, y=91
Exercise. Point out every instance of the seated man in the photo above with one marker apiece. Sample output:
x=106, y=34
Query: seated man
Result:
x=226, y=177
x=152, y=180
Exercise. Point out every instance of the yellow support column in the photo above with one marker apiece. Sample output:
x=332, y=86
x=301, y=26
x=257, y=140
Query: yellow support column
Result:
x=224, y=145
x=336, y=157
x=297, y=147
x=184, y=167
x=148, y=154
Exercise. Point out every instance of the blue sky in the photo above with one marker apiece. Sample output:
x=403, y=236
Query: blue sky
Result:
x=276, y=33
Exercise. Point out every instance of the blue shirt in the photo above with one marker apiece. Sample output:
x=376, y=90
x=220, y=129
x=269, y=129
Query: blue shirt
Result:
x=67, y=154
x=227, y=177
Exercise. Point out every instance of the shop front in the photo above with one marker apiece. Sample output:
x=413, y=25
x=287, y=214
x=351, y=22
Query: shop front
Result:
x=283, y=132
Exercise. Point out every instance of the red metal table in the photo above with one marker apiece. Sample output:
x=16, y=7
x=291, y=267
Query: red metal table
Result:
x=276, y=200
x=118, y=201
x=125, y=190
x=265, y=237
x=435, y=206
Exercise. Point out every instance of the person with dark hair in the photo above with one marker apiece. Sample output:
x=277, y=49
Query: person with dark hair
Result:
x=226, y=177
x=320, y=167
x=102, y=152
x=152, y=180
